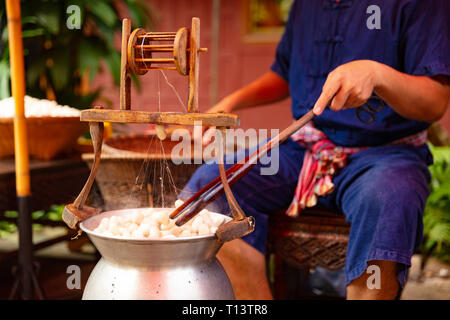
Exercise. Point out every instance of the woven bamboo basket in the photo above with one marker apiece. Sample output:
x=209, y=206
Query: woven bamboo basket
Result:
x=133, y=172
x=47, y=136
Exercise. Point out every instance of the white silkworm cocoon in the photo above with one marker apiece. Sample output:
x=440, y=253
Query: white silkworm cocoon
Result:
x=175, y=231
x=149, y=220
x=169, y=225
x=154, y=232
x=161, y=217
x=137, y=217
x=165, y=233
x=206, y=217
x=198, y=220
x=213, y=230
x=217, y=219
x=160, y=131
x=185, y=233
x=145, y=229
x=104, y=224
x=178, y=203
x=137, y=234
x=113, y=228
x=203, y=229
x=132, y=227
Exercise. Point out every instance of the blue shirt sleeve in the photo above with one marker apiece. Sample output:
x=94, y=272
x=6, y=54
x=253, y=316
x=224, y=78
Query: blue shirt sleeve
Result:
x=425, y=43
x=284, y=48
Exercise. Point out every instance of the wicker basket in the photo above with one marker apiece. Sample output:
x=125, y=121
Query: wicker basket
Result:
x=47, y=136
x=130, y=168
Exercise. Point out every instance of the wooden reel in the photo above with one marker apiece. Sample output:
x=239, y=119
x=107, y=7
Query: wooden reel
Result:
x=141, y=52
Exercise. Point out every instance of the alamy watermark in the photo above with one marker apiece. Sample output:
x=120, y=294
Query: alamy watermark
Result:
x=74, y=279
x=374, y=20
x=190, y=149
x=374, y=280
x=74, y=17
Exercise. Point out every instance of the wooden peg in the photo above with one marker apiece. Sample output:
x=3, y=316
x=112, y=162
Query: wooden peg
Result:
x=194, y=65
x=125, y=80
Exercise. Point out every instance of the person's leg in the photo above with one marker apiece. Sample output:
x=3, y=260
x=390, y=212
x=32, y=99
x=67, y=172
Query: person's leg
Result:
x=246, y=268
x=258, y=195
x=382, y=192
x=388, y=285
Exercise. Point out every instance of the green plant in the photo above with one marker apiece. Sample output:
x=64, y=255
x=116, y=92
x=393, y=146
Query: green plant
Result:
x=437, y=211
x=54, y=214
x=61, y=63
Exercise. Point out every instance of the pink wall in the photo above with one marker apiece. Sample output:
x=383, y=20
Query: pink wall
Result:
x=239, y=63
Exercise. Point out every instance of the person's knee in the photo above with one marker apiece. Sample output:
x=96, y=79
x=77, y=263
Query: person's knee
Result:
x=397, y=188
x=378, y=281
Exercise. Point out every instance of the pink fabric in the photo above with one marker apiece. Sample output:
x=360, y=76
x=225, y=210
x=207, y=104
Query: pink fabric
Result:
x=322, y=160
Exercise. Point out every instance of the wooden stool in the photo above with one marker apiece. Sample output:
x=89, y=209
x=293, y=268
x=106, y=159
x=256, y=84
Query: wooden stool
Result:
x=318, y=237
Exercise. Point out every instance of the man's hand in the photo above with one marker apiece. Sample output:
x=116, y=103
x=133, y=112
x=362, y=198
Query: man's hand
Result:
x=348, y=86
x=414, y=97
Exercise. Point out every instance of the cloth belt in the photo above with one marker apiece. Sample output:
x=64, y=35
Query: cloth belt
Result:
x=322, y=160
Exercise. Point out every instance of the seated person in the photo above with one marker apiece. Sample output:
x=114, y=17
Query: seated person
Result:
x=332, y=58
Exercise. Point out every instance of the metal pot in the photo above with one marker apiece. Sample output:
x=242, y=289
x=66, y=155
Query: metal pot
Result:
x=181, y=268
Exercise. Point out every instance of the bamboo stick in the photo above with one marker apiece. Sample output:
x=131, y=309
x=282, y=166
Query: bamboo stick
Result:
x=18, y=92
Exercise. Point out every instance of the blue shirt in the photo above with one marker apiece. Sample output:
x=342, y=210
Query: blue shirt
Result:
x=320, y=35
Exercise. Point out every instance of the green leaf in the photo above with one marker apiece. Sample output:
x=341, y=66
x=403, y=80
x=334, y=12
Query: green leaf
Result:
x=5, y=34
x=89, y=56
x=48, y=16
x=60, y=70
x=104, y=11
x=140, y=12
x=38, y=214
x=5, y=91
x=35, y=69
x=440, y=233
x=8, y=227
x=33, y=33
x=58, y=208
x=11, y=214
x=136, y=82
x=106, y=34
x=113, y=62
x=54, y=216
x=443, y=191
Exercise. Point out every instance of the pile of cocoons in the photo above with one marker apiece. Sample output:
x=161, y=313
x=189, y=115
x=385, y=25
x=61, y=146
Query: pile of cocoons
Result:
x=37, y=108
x=154, y=223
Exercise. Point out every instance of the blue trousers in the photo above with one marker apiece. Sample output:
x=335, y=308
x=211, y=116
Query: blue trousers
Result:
x=381, y=191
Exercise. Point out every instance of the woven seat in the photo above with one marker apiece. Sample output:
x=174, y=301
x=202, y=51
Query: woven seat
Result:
x=317, y=237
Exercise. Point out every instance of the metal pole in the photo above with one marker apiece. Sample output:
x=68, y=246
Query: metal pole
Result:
x=20, y=149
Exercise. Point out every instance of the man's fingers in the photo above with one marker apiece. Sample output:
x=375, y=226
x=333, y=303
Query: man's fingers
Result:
x=329, y=90
x=339, y=99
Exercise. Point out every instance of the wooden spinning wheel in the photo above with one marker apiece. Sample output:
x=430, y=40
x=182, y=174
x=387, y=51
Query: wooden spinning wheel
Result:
x=141, y=52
